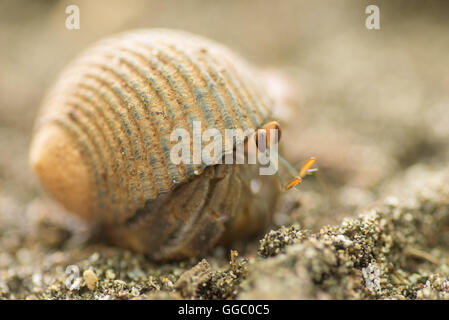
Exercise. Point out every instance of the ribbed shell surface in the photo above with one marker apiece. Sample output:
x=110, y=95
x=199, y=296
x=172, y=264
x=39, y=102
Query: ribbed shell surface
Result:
x=121, y=99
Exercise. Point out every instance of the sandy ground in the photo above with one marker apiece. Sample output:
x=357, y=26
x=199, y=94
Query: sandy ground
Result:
x=372, y=106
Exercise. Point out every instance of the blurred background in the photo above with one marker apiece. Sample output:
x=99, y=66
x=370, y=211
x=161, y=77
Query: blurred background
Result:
x=371, y=105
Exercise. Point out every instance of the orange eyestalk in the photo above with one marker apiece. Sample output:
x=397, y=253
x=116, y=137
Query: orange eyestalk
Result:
x=266, y=130
x=297, y=177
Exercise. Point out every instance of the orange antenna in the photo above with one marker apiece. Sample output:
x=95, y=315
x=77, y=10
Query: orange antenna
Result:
x=305, y=169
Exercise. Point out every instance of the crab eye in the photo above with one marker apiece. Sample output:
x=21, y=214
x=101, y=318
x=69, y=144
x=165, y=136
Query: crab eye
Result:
x=266, y=131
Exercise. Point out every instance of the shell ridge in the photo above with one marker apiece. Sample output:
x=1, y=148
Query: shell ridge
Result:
x=249, y=91
x=90, y=164
x=194, y=39
x=236, y=87
x=104, y=164
x=210, y=84
x=163, y=74
x=195, y=91
x=150, y=130
x=128, y=132
x=230, y=95
x=103, y=106
x=145, y=76
x=98, y=119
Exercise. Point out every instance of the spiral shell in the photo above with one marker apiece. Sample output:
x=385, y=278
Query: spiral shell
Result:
x=102, y=139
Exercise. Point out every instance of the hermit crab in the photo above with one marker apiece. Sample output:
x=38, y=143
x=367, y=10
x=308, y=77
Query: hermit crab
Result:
x=102, y=143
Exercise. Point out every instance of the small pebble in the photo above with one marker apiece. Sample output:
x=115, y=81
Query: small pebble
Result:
x=110, y=274
x=91, y=279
